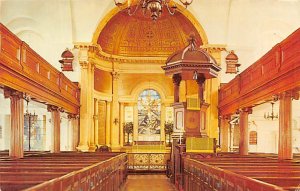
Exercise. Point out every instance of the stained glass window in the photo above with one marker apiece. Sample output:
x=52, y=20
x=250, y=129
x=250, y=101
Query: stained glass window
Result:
x=149, y=112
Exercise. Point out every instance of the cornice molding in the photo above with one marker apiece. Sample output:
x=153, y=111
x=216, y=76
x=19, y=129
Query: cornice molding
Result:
x=102, y=96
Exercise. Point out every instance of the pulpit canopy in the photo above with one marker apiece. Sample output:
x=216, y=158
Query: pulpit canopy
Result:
x=191, y=61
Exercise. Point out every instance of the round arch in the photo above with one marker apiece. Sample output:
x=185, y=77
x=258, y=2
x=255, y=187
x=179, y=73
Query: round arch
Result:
x=149, y=85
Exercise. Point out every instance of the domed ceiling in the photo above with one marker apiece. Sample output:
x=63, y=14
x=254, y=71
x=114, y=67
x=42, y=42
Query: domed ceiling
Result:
x=139, y=36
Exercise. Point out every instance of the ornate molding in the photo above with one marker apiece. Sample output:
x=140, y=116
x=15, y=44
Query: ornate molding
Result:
x=102, y=96
x=115, y=75
x=9, y=92
x=51, y=108
x=73, y=116
x=84, y=64
x=177, y=79
x=212, y=48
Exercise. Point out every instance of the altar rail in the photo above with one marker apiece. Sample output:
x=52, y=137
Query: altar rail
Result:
x=148, y=162
x=22, y=69
x=277, y=71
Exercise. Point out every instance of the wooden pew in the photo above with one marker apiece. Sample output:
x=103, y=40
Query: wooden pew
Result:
x=241, y=172
x=64, y=171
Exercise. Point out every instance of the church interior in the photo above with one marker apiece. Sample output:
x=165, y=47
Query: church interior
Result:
x=187, y=95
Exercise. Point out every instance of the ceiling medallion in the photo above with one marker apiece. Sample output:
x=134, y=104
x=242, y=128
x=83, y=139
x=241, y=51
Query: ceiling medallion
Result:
x=153, y=6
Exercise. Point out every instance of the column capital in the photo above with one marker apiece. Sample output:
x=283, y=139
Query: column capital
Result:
x=115, y=75
x=9, y=92
x=51, y=108
x=177, y=79
x=200, y=79
x=244, y=110
x=224, y=117
x=292, y=94
x=84, y=64
x=73, y=116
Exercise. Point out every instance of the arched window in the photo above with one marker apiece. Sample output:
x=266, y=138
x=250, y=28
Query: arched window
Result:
x=149, y=115
x=253, y=138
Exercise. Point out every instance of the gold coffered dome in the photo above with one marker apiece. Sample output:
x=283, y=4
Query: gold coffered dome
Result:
x=138, y=36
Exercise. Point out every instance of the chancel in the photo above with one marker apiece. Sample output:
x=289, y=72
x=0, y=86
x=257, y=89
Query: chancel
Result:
x=149, y=95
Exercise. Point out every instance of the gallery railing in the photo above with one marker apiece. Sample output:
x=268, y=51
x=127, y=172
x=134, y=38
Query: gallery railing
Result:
x=141, y=161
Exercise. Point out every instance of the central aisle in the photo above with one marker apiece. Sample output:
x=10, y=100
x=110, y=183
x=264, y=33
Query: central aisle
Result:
x=148, y=183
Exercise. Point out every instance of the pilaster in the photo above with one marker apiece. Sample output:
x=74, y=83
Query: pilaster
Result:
x=96, y=115
x=121, y=124
x=115, y=120
x=107, y=125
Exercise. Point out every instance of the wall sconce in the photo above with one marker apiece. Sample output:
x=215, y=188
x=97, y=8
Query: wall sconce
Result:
x=116, y=121
x=232, y=65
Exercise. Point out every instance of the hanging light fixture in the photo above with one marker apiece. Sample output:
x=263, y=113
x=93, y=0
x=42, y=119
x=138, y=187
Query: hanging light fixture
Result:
x=271, y=116
x=31, y=119
x=153, y=6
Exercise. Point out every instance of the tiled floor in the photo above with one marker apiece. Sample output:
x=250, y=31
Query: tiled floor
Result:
x=148, y=183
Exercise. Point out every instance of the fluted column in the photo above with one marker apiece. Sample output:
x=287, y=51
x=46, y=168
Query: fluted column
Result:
x=115, y=120
x=285, y=126
x=162, y=123
x=55, y=123
x=176, y=81
x=225, y=133
x=244, y=135
x=17, y=122
x=84, y=116
x=107, y=125
x=91, y=105
x=121, y=124
x=96, y=115
x=135, y=122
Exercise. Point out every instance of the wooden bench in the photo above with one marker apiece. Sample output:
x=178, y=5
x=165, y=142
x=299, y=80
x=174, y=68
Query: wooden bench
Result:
x=64, y=171
x=262, y=172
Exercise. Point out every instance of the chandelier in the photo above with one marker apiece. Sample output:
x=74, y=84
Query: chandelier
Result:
x=153, y=6
x=271, y=116
x=30, y=122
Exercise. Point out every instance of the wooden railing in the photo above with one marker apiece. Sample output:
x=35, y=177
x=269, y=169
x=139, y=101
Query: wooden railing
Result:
x=277, y=71
x=106, y=175
x=22, y=69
